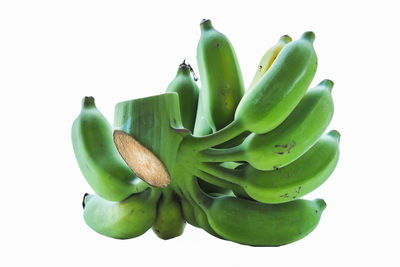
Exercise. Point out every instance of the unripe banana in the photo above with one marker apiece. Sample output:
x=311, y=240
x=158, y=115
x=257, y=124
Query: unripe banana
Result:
x=279, y=91
x=258, y=224
x=169, y=222
x=129, y=218
x=290, y=139
x=269, y=58
x=220, y=75
x=188, y=92
x=99, y=160
x=290, y=182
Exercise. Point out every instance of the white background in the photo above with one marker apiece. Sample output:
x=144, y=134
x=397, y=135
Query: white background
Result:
x=52, y=53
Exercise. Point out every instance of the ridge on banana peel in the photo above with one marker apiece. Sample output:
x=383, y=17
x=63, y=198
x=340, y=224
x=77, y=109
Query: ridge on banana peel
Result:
x=210, y=156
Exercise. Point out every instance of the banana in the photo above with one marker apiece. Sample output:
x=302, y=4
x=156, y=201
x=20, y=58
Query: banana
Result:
x=290, y=139
x=221, y=79
x=279, y=91
x=290, y=182
x=169, y=222
x=129, y=218
x=188, y=92
x=258, y=224
x=268, y=59
x=98, y=158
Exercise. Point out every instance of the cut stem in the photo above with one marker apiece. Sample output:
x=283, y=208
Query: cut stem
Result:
x=141, y=160
x=147, y=136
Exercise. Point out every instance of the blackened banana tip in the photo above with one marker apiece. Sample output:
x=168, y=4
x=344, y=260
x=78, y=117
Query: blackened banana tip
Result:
x=183, y=65
x=83, y=200
x=205, y=24
x=310, y=36
x=88, y=101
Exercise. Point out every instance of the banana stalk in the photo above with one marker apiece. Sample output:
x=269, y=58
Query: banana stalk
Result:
x=266, y=146
x=147, y=134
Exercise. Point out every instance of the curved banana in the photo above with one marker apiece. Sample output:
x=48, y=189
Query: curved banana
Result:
x=129, y=218
x=290, y=182
x=268, y=58
x=99, y=160
x=221, y=79
x=279, y=91
x=169, y=222
x=290, y=139
x=188, y=92
x=258, y=224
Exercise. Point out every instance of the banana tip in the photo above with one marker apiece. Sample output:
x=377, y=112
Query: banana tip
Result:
x=335, y=134
x=88, y=101
x=84, y=200
x=327, y=83
x=285, y=39
x=184, y=65
x=321, y=204
x=205, y=24
x=310, y=36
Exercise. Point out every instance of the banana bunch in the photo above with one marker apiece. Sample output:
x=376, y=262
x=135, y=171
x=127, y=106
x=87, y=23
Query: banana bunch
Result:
x=231, y=161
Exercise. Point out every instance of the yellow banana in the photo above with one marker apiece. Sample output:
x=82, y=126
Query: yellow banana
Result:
x=268, y=59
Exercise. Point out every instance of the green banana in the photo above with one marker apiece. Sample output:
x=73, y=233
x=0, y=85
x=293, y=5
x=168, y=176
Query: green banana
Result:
x=258, y=224
x=129, y=218
x=98, y=158
x=290, y=139
x=281, y=88
x=188, y=92
x=268, y=58
x=220, y=75
x=293, y=181
x=169, y=222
